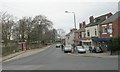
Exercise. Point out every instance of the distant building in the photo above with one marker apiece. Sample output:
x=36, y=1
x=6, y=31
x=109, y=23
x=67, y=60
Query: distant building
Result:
x=80, y=34
x=70, y=37
x=60, y=35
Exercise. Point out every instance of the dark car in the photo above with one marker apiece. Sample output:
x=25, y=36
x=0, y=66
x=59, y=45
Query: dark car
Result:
x=97, y=50
x=58, y=45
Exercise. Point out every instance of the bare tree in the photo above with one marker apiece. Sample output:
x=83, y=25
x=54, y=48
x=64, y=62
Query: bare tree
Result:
x=32, y=29
x=7, y=22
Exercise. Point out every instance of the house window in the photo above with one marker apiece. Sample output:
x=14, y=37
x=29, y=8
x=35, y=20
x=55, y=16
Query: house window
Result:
x=110, y=28
x=95, y=32
x=88, y=32
x=104, y=29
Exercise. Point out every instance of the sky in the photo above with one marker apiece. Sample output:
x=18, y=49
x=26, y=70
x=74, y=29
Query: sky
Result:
x=54, y=10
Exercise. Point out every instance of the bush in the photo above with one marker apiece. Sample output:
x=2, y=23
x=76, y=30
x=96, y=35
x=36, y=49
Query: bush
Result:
x=35, y=45
x=9, y=49
x=115, y=44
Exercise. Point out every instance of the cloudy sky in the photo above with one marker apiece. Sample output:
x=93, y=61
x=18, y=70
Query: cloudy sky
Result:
x=55, y=10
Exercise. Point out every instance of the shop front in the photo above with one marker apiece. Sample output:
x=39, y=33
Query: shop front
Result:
x=86, y=42
x=102, y=42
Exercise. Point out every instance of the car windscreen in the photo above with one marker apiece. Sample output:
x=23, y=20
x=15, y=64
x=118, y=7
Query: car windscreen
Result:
x=68, y=46
x=79, y=47
x=58, y=44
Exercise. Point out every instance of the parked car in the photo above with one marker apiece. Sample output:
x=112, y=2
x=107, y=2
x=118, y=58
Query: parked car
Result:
x=80, y=49
x=97, y=50
x=67, y=48
x=86, y=47
x=58, y=45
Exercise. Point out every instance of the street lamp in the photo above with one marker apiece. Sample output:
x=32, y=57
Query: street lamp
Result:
x=74, y=17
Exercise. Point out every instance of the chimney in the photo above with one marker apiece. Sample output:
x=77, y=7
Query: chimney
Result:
x=91, y=19
x=110, y=14
x=80, y=25
x=84, y=24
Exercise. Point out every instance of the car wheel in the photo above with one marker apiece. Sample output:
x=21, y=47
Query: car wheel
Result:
x=77, y=52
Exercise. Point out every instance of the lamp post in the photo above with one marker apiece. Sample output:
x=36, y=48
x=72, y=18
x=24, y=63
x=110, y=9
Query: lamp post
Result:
x=74, y=17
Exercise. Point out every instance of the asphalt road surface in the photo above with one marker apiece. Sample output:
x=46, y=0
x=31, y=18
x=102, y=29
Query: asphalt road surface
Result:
x=54, y=59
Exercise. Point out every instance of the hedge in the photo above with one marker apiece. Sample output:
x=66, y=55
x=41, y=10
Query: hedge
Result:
x=115, y=44
x=9, y=49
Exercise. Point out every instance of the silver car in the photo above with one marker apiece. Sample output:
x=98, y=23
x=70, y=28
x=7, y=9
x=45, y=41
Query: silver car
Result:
x=80, y=49
x=67, y=48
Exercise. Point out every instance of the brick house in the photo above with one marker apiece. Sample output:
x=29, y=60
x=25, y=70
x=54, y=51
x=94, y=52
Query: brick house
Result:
x=75, y=36
x=107, y=29
x=80, y=34
x=110, y=27
x=92, y=29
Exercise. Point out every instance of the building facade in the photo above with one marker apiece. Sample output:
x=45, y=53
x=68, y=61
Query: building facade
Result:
x=70, y=37
x=97, y=33
x=92, y=29
x=110, y=27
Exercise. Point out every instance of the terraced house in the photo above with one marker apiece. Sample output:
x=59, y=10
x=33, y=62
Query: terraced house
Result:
x=108, y=29
x=97, y=32
x=92, y=29
x=80, y=34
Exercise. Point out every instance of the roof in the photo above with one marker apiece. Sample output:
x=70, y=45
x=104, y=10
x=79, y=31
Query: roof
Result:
x=112, y=18
x=80, y=30
x=69, y=33
x=98, y=20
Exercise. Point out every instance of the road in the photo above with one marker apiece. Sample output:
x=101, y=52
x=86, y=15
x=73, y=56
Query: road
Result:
x=54, y=59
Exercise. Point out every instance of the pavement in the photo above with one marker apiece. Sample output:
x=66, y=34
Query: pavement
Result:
x=21, y=54
x=99, y=55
